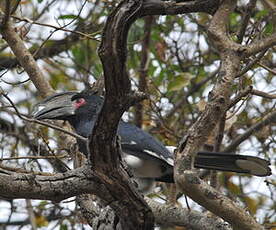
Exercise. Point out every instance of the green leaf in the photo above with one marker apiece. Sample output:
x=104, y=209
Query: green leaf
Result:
x=42, y=204
x=251, y=204
x=234, y=19
x=268, y=29
x=261, y=14
x=63, y=227
x=68, y=16
x=247, y=81
x=179, y=81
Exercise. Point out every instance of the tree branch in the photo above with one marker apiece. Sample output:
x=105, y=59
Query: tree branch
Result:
x=243, y=93
x=268, y=119
x=56, y=188
x=26, y=60
x=159, y=7
x=52, y=47
x=219, y=98
x=143, y=71
x=83, y=180
x=105, y=153
x=194, y=88
x=263, y=94
x=168, y=215
x=259, y=45
x=246, y=17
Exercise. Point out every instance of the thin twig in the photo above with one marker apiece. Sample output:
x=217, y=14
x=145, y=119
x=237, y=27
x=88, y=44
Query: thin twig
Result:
x=269, y=118
x=267, y=68
x=249, y=8
x=31, y=214
x=20, y=170
x=239, y=97
x=58, y=28
x=251, y=63
x=237, y=109
x=34, y=157
x=24, y=19
x=194, y=88
x=263, y=94
x=143, y=81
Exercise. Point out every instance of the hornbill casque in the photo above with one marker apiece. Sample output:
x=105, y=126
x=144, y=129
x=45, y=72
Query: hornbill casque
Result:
x=148, y=159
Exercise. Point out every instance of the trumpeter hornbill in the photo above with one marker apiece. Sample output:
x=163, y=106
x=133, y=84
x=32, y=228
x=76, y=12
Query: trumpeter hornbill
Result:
x=147, y=157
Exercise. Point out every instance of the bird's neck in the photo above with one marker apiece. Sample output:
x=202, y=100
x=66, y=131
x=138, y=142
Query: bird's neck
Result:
x=83, y=126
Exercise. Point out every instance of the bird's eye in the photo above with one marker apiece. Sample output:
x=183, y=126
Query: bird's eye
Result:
x=79, y=102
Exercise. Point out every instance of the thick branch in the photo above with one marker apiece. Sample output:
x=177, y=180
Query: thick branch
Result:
x=217, y=203
x=159, y=7
x=88, y=209
x=56, y=188
x=218, y=27
x=219, y=99
x=128, y=204
x=83, y=180
x=219, y=96
x=259, y=45
x=168, y=215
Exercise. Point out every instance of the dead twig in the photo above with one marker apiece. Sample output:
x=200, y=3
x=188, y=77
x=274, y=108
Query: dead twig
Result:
x=34, y=157
x=89, y=36
x=269, y=118
x=263, y=94
x=20, y=170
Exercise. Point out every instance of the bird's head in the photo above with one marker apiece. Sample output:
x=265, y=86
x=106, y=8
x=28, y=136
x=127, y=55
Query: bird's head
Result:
x=68, y=105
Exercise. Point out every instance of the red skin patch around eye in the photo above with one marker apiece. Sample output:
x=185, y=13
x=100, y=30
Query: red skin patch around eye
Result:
x=79, y=102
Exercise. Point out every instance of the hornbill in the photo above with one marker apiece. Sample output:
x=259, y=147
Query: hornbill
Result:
x=147, y=157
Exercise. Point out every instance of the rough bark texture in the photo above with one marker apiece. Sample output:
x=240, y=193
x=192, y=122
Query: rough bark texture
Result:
x=128, y=204
x=168, y=215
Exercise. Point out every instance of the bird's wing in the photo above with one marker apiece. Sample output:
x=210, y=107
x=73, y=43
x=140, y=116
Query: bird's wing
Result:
x=135, y=140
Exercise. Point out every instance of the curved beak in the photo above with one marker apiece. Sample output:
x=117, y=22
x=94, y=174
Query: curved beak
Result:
x=58, y=106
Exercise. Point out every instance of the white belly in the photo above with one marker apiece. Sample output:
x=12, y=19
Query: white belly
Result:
x=143, y=168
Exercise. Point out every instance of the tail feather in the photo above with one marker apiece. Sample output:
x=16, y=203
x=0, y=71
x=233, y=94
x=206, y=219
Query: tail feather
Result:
x=233, y=163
